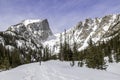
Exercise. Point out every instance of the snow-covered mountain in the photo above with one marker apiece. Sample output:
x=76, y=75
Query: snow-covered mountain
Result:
x=37, y=30
x=97, y=29
x=35, y=33
x=26, y=34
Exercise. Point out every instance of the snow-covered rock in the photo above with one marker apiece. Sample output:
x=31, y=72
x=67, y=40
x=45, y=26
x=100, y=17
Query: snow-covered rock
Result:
x=37, y=30
x=30, y=21
x=97, y=29
x=27, y=34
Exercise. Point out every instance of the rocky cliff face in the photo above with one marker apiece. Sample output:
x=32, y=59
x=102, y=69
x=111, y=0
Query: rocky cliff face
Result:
x=97, y=29
x=37, y=30
x=27, y=34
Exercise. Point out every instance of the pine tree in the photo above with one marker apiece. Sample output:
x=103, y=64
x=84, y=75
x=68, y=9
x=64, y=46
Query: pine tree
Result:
x=100, y=62
x=15, y=58
x=75, y=51
x=95, y=57
x=91, y=55
x=65, y=47
x=110, y=54
x=46, y=55
x=6, y=63
x=118, y=55
x=61, y=57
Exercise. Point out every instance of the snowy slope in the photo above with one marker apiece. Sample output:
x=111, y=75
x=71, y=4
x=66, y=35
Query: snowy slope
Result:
x=56, y=70
x=97, y=29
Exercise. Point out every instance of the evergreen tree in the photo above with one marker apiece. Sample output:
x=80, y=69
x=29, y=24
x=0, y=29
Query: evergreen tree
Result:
x=109, y=54
x=61, y=57
x=95, y=57
x=15, y=58
x=118, y=55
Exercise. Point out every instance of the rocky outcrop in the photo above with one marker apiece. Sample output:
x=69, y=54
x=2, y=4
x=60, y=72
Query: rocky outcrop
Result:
x=27, y=34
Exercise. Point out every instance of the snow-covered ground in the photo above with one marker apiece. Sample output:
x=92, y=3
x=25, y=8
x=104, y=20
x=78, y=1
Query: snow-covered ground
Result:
x=56, y=70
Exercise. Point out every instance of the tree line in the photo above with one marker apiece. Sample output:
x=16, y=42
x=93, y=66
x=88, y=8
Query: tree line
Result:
x=18, y=56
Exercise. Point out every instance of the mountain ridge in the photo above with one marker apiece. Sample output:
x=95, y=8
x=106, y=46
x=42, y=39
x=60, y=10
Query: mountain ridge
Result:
x=97, y=29
x=38, y=33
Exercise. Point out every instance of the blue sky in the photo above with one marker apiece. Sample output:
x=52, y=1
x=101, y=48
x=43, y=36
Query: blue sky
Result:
x=61, y=14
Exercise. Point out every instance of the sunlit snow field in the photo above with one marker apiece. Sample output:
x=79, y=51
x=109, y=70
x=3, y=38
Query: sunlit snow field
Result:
x=56, y=70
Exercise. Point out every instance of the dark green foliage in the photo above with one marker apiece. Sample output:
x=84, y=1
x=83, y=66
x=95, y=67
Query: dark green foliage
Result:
x=61, y=49
x=15, y=58
x=47, y=54
x=118, y=55
x=95, y=57
x=54, y=57
x=4, y=58
x=66, y=52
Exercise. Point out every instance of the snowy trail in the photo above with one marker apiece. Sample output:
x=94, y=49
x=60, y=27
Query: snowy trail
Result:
x=56, y=70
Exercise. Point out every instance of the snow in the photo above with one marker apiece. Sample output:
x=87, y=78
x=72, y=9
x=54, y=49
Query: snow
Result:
x=9, y=32
x=19, y=42
x=2, y=40
x=108, y=38
x=56, y=70
x=95, y=27
x=111, y=22
x=106, y=28
x=86, y=42
x=114, y=16
x=114, y=68
x=29, y=21
x=9, y=47
x=99, y=19
x=51, y=42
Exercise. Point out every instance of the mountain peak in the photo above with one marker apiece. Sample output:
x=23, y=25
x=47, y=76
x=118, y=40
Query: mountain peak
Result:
x=30, y=21
x=36, y=30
